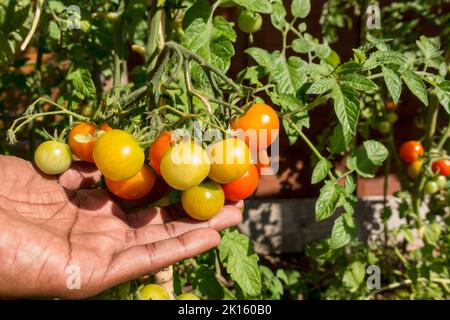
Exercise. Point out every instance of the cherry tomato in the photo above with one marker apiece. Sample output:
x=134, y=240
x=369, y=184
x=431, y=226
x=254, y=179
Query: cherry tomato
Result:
x=259, y=126
x=230, y=159
x=117, y=155
x=249, y=21
x=153, y=292
x=442, y=167
x=431, y=187
x=441, y=181
x=391, y=105
x=133, y=188
x=414, y=169
x=410, y=151
x=185, y=165
x=204, y=201
x=105, y=127
x=187, y=296
x=53, y=157
x=384, y=127
x=82, y=140
x=243, y=187
x=158, y=149
x=391, y=117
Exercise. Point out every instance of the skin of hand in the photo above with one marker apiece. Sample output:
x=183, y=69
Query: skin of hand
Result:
x=51, y=227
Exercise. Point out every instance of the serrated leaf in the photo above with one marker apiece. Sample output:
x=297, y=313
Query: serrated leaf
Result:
x=329, y=198
x=416, y=85
x=290, y=103
x=367, y=157
x=278, y=14
x=358, y=82
x=346, y=107
x=300, y=8
x=83, y=83
x=341, y=234
x=340, y=140
x=320, y=170
x=442, y=92
x=261, y=56
x=354, y=275
x=286, y=74
x=393, y=83
x=321, y=86
x=349, y=185
x=349, y=67
x=432, y=233
x=236, y=253
x=303, y=45
x=262, y=6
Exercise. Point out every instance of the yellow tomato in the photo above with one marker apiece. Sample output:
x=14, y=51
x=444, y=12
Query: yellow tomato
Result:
x=204, y=201
x=185, y=165
x=153, y=292
x=117, y=155
x=414, y=169
x=230, y=160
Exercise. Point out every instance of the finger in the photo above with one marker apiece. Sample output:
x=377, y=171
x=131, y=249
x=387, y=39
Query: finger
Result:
x=79, y=176
x=229, y=216
x=137, y=261
x=158, y=216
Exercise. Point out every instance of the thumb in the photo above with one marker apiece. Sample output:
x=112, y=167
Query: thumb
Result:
x=80, y=175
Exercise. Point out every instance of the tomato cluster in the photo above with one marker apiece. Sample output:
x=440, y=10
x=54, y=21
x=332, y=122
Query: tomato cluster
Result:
x=411, y=152
x=206, y=177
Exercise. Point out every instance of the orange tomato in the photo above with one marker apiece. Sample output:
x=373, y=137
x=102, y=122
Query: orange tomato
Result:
x=410, y=151
x=242, y=187
x=105, y=127
x=391, y=105
x=158, y=149
x=414, y=168
x=133, y=188
x=260, y=126
x=82, y=140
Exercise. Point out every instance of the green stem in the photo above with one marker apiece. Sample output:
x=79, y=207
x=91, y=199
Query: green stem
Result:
x=117, y=44
x=444, y=138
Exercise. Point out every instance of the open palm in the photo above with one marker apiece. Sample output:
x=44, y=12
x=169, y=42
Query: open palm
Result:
x=51, y=228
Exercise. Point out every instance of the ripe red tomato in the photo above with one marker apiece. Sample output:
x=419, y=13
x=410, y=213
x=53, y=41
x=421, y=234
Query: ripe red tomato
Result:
x=230, y=159
x=259, y=126
x=410, y=151
x=82, y=140
x=133, y=188
x=204, y=201
x=242, y=187
x=158, y=149
x=442, y=167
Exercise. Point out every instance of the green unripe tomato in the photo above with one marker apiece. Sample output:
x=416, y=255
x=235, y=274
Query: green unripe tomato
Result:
x=153, y=292
x=441, y=182
x=431, y=187
x=53, y=157
x=384, y=127
x=187, y=296
x=391, y=117
x=249, y=21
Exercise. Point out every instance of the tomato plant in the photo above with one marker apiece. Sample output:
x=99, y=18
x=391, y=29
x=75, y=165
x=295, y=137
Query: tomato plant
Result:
x=243, y=187
x=133, y=188
x=441, y=167
x=158, y=149
x=82, y=140
x=410, y=151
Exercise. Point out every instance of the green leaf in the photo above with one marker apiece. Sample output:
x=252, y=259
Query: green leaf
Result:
x=393, y=83
x=285, y=73
x=82, y=82
x=288, y=104
x=303, y=45
x=199, y=10
x=300, y=8
x=416, y=85
x=323, y=51
x=340, y=140
x=346, y=107
x=432, y=233
x=320, y=171
x=278, y=14
x=358, y=82
x=262, y=6
x=328, y=200
x=236, y=253
x=367, y=157
x=341, y=234
x=349, y=185
x=442, y=91
x=261, y=56
x=271, y=283
x=321, y=86
x=354, y=275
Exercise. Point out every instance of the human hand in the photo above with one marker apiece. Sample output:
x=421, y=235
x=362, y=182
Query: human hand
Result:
x=48, y=224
